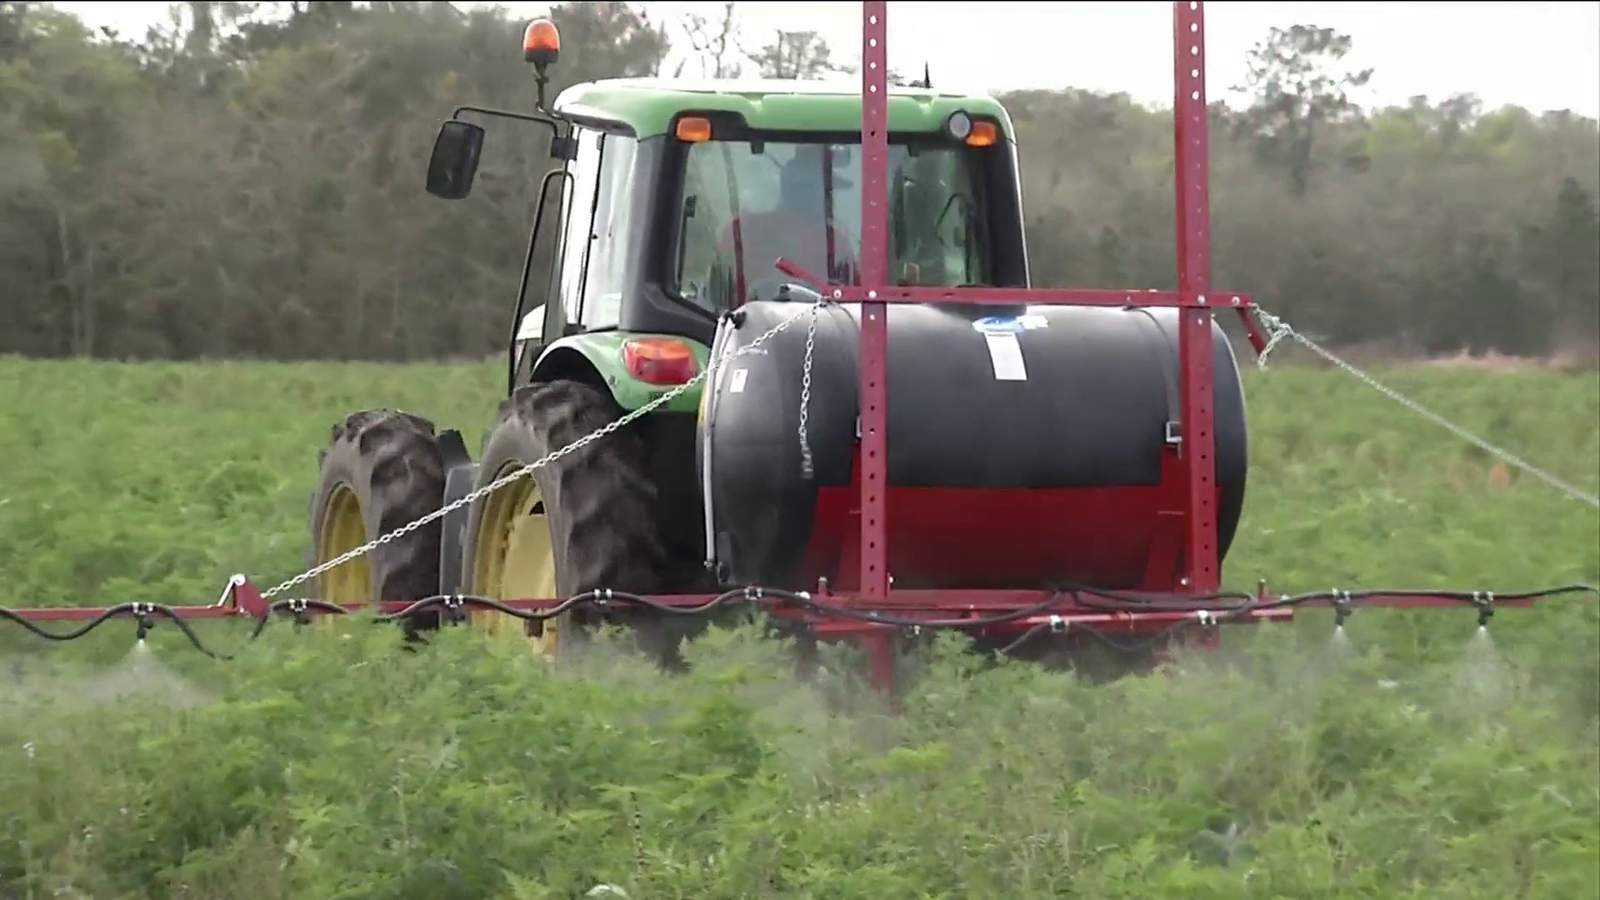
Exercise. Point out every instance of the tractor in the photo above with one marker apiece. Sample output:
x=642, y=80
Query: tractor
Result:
x=1034, y=445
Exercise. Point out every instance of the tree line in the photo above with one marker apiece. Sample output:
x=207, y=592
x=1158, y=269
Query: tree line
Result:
x=244, y=179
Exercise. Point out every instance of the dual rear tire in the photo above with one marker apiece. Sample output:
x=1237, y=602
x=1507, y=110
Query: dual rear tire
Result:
x=584, y=522
x=381, y=469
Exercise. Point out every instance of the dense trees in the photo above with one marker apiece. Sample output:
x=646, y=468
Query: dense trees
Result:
x=246, y=180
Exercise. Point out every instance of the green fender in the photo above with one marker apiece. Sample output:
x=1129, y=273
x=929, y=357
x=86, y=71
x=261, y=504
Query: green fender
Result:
x=602, y=352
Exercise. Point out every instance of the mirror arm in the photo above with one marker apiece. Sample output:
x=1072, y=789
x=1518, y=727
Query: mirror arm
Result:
x=561, y=146
x=551, y=120
x=527, y=269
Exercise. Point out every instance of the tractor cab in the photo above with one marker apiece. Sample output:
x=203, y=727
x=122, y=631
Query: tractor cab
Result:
x=675, y=200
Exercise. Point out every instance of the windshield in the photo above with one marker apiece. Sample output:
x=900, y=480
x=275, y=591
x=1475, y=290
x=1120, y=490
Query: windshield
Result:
x=746, y=203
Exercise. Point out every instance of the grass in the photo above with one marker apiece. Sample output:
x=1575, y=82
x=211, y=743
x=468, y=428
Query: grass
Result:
x=1416, y=760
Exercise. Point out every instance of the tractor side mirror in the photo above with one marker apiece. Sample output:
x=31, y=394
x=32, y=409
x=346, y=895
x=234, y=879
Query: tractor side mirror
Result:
x=454, y=160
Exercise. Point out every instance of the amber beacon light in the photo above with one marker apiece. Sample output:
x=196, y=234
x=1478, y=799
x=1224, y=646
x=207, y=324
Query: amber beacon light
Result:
x=541, y=43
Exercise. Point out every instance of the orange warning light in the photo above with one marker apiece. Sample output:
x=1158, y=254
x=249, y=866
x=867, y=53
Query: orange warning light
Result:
x=983, y=134
x=693, y=129
x=541, y=42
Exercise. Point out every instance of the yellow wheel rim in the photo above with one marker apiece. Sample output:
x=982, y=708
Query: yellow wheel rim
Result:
x=514, y=559
x=343, y=530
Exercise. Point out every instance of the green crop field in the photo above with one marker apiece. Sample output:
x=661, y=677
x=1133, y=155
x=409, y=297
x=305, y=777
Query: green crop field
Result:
x=1415, y=759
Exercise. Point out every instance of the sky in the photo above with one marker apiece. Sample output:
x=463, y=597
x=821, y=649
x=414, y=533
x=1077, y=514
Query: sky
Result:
x=1542, y=56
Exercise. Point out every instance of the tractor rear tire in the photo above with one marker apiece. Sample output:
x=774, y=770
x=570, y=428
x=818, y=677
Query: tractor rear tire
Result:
x=586, y=522
x=381, y=470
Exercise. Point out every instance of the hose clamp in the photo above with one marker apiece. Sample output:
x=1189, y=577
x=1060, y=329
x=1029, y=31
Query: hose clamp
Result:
x=454, y=607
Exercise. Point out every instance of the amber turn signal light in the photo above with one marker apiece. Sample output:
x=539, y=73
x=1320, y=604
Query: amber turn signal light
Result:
x=693, y=129
x=983, y=134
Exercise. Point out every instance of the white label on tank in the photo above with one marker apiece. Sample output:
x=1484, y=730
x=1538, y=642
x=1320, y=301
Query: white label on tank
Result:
x=1006, y=354
x=737, y=385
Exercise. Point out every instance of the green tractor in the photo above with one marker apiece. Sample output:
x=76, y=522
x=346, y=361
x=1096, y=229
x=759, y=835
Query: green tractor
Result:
x=674, y=202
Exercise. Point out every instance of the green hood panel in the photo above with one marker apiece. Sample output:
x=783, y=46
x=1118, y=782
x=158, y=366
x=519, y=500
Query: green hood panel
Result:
x=603, y=350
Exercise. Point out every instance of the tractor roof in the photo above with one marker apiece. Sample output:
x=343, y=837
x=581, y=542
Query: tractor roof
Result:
x=646, y=106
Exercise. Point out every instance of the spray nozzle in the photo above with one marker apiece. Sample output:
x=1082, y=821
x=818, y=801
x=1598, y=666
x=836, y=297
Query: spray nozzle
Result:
x=454, y=609
x=1485, y=604
x=1341, y=608
x=143, y=611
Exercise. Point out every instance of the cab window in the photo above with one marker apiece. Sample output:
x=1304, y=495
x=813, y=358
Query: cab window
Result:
x=746, y=203
x=596, y=238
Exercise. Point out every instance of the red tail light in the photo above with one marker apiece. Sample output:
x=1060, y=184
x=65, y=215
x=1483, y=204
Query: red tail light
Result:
x=660, y=360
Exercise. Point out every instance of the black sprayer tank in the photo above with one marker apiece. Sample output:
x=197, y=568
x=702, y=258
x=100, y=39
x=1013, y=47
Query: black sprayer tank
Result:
x=1026, y=447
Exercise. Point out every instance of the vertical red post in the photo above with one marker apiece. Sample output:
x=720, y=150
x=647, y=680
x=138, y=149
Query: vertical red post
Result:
x=1192, y=174
x=874, y=316
x=879, y=647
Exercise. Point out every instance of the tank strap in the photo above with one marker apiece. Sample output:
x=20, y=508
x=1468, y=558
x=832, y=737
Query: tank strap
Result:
x=1169, y=378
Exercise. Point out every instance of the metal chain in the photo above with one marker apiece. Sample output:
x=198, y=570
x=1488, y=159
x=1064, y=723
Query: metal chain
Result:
x=528, y=469
x=805, y=392
x=1281, y=329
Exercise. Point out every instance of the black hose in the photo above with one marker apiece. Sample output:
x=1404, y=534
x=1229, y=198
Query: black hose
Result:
x=140, y=609
x=713, y=603
x=600, y=597
x=1025, y=637
x=184, y=627
x=447, y=600
x=111, y=613
x=1122, y=602
x=281, y=605
x=881, y=619
x=1463, y=596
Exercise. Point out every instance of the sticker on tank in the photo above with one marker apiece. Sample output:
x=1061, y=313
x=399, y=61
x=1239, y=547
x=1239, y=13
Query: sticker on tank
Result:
x=1009, y=324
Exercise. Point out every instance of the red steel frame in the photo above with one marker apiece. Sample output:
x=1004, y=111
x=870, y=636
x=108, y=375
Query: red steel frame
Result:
x=1194, y=504
x=1194, y=298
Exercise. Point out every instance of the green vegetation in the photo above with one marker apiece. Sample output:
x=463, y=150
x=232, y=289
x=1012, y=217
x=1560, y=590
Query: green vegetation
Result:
x=1414, y=761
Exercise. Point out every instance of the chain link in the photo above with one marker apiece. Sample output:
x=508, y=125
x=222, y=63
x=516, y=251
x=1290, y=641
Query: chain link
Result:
x=524, y=471
x=805, y=391
x=1281, y=329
